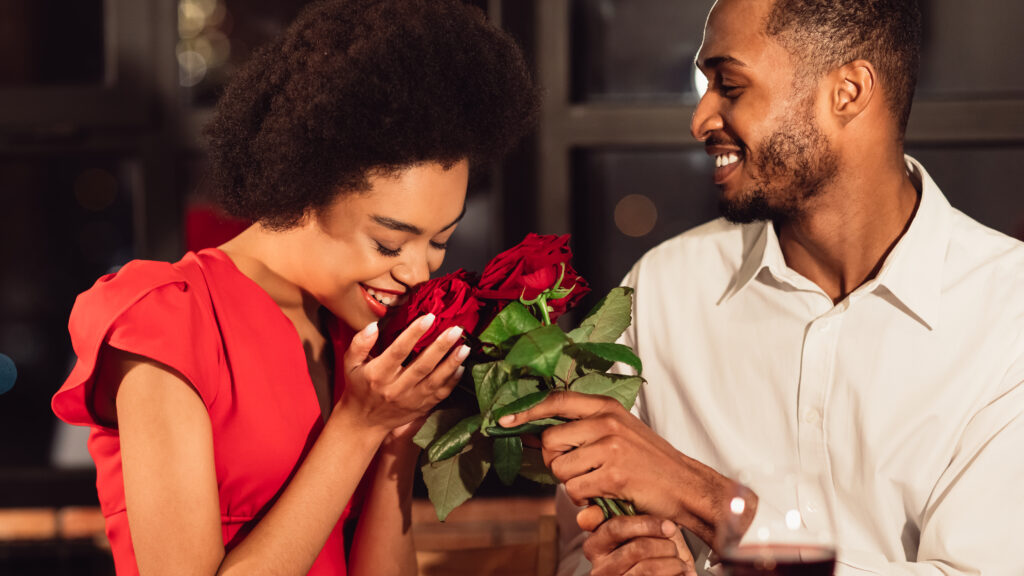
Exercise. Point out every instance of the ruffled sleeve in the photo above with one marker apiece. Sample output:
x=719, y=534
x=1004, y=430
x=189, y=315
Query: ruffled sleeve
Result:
x=154, y=309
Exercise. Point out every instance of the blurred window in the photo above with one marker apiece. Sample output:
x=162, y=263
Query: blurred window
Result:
x=66, y=220
x=51, y=42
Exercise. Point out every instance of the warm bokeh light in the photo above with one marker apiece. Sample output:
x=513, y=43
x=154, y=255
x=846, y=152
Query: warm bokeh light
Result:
x=202, y=46
x=636, y=215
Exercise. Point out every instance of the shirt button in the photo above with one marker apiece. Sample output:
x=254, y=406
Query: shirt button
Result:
x=812, y=416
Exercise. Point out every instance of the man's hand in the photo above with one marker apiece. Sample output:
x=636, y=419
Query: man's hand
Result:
x=637, y=545
x=606, y=451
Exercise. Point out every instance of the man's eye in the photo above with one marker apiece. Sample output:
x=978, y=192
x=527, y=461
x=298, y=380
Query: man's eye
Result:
x=729, y=91
x=385, y=251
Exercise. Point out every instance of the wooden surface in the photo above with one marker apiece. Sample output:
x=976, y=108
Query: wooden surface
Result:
x=484, y=537
x=488, y=537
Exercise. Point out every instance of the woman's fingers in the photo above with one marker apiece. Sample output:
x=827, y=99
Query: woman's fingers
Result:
x=428, y=362
x=359, y=349
x=399, y=350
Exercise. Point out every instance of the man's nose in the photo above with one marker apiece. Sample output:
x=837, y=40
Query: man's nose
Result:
x=706, y=118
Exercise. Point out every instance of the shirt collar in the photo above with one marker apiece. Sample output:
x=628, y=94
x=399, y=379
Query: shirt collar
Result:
x=913, y=270
x=911, y=273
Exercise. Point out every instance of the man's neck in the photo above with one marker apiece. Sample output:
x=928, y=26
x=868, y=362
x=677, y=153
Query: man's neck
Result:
x=843, y=239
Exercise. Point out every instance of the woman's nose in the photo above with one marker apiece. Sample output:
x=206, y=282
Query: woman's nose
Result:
x=412, y=270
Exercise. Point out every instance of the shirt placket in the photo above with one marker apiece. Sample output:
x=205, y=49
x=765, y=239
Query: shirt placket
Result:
x=816, y=378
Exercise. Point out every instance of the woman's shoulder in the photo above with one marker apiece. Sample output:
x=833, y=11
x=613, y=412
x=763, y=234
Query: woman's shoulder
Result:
x=158, y=310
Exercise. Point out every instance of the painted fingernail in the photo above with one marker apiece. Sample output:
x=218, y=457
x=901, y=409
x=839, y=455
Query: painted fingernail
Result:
x=370, y=330
x=506, y=420
x=459, y=372
x=427, y=320
x=462, y=353
x=454, y=333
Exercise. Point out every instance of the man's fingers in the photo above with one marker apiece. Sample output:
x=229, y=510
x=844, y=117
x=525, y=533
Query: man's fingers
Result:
x=681, y=548
x=359, y=349
x=571, y=405
x=620, y=529
x=638, y=556
x=590, y=518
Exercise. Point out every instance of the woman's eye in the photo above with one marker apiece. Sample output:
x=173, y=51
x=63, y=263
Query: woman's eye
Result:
x=439, y=245
x=385, y=251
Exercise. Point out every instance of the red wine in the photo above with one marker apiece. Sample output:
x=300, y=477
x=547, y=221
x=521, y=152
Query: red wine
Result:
x=780, y=560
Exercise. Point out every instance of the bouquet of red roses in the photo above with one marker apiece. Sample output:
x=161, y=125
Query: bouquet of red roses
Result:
x=520, y=355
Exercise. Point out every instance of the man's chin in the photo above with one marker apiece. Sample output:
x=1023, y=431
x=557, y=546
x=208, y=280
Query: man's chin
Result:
x=751, y=209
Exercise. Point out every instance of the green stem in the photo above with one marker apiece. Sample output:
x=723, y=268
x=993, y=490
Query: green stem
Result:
x=542, y=303
x=614, y=507
x=627, y=507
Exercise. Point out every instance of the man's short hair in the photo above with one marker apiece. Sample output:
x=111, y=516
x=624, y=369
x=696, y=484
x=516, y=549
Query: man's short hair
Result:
x=826, y=34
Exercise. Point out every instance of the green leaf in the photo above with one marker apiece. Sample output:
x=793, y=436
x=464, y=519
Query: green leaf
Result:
x=508, y=457
x=533, y=467
x=565, y=369
x=489, y=377
x=453, y=481
x=608, y=319
x=538, y=350
x=439, y=422
x=622, y=388
x=521, y=404
x=508, y=393
x=513, y=321
x=534, y=427
x=455, y=439
x=608, y=351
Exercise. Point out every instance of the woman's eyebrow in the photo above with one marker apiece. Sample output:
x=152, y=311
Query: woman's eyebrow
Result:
x=399, y=226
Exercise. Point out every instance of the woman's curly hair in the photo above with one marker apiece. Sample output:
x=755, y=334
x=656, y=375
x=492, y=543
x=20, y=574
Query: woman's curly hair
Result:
x=355, y=88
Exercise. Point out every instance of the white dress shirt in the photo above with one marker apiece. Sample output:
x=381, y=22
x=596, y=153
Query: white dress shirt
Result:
x=908, y=395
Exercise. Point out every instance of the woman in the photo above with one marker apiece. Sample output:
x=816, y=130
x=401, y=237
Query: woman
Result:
x=239, y=419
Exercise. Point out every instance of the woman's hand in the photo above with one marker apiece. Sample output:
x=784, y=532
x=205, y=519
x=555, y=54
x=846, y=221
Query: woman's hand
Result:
x=385, y=395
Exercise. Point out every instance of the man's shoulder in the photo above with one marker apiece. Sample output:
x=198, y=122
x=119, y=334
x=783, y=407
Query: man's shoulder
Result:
x=712, y=243
x=709, y=254
x=977, y=249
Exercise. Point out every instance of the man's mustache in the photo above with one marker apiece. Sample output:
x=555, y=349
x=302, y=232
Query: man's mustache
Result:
x=721, y=140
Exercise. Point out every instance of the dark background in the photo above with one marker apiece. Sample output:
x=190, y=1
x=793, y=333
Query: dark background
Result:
x=102, y=102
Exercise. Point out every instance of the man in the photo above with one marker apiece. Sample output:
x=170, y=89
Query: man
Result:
x=843, y=319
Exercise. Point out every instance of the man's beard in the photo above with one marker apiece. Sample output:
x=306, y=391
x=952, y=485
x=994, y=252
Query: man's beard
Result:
x=793, y=166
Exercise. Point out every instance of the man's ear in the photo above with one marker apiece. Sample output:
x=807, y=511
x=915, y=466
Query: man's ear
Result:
x=854, y=87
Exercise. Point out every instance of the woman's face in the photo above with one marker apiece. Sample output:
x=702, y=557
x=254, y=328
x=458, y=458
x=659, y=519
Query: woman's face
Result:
x=367, y=249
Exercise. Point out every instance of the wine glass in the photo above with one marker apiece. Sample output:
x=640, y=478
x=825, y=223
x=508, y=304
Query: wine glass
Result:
x=777, y=522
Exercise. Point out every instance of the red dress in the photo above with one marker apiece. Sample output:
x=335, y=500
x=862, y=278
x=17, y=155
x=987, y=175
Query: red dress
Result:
x=211, y=323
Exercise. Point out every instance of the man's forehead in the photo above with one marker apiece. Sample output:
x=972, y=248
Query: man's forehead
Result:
x=734, y=27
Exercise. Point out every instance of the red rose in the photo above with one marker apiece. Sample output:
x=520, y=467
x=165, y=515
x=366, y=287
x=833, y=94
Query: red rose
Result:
x=529, y=268
x=450, y=298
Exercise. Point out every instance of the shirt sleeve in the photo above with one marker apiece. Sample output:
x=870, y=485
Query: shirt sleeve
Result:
x=571, y=561
x=149, y=309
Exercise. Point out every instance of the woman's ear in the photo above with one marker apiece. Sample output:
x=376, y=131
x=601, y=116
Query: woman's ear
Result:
x=853, y=89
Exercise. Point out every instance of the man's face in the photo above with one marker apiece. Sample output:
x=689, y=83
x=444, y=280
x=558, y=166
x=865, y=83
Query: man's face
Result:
x=757, y=121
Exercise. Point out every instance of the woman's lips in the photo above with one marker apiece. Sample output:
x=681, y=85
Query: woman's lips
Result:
x=378, y=309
